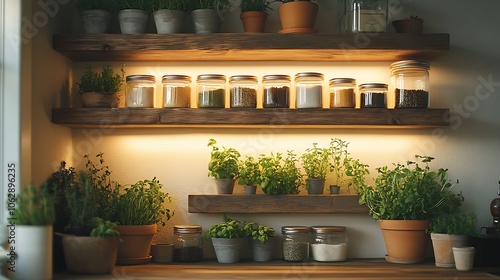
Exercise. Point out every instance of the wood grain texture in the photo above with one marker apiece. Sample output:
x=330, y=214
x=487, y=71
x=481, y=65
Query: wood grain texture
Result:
x=282, y=204
x=251, y=47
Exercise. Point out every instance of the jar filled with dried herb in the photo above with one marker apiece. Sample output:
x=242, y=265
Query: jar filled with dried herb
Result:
x=296, y=241
x=188, y=243
x=373, y=95
x=211, y=91
x=309, y=90
x=243, y=91
x=276, y=91
x=410, y=82
x=176, y=91
x=342, y=93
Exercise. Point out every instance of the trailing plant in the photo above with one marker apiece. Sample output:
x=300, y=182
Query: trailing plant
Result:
x=220, y=5
x=258, y=232
x=35, y=207
x=454, y=223
x=223, y=164
x=249, y=171
x=279, y=175
x=102, y=82
x=255, y=5
x=410, y=191
x=178, y=5
x=228, y=228
x=316, y=162
x=102, y=228
x=82, y=5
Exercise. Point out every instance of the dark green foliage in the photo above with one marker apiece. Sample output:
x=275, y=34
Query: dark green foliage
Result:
x=258, y=232
x=228, y=228
x=459, y=223
x=103, y=82
x=255, y=5
x=210, y=4
x=279, y=175
x=102, y=228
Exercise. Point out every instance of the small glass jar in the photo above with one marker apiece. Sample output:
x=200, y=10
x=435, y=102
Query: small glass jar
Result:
x=342, y=93
x=176, y=91
x=140, y=91
x=364, y=16
x=329, y=243
x=373, y=95
x=188, y=243
x=243, y=91
x=410, y=81
x=211, y=91
x=276, y=91
x=295, y=243
x=309, y=90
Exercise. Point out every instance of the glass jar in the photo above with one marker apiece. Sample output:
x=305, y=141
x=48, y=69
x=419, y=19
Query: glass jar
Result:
x=364, y=16
x=373, y=95
x=243, y=91
x=211, y=91
x=188, y=243
x=410, y=81
x=176, y=91
x=342, y=93
x=309, y=90
x=329, y=243
x=276, y=91
x=295, y=243
x=140, y=91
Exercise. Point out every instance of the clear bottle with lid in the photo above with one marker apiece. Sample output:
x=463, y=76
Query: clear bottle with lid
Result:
x=140, y=91
x=243, y=91
x=296, y=241
x=176, y=91
x=373, y=95
x=410, y=82
x=342, y=93
x=276, y=91
x=211, y=91
x=329, y=243
x=364, y=16
x=309, y=90
x=188, y=243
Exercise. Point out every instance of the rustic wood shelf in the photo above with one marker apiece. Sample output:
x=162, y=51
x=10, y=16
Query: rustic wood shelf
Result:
x=251, y=47
x=200, y=117
x=277, y=204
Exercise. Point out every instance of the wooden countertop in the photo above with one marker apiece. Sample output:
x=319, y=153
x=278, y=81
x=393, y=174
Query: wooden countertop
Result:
x=353, y=269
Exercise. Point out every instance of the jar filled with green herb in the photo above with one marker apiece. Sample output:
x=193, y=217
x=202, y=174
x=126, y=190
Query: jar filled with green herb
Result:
x=410, y=82
x=243, y=91
x=295, y=243
x=211, y=91
x=188, y=243
x=276, y=91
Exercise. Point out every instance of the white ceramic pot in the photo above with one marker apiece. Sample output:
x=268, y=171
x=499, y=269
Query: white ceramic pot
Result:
x=464, y=258
x=206, y=21
x=95, y=21
x=133, y=21
x=169, y=21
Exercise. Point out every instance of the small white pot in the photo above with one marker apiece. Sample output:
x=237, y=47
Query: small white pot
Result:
x=169, y=21
x=133, y=21
x=95, y=21
x=464, y=258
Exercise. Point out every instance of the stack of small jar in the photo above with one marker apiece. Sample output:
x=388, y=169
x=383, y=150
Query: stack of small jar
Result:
x=409, y=79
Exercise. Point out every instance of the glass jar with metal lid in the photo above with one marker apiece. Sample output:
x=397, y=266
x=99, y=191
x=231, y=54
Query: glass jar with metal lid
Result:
x=243, y=91
x=342, y=93
x=140, y=91
x=410, y=82
x=373, y=95
x=188, y=243
x=176, y=91
x=211, y=91
x=309, y=90
x=364, y=16
x=276, y=91
x=329, y=243
x=295, y=243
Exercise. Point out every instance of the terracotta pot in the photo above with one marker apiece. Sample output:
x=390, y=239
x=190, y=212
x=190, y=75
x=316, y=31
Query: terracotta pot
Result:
x=298, y=16
x=443, y=247
x=405, y=240
x=135, y=244
x=408, y=25
x=99, y=100
x=90, y=255
x=253, y=21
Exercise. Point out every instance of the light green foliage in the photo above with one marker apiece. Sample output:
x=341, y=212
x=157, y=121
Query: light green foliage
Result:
x=223, y=164
x=455, y=223
x=103, y=82
x=102, y=228
x=255, y=5
x=35, y=207
x=279, y=175
x=249, y=171
x=316, y=162
x=258, y=232
x=228, y=228
x=410, y=192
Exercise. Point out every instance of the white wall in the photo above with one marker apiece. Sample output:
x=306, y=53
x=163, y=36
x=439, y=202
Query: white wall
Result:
x=469, y=148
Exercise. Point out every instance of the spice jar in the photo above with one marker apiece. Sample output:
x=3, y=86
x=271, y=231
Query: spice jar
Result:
x=176, y=91
x=211, y=91
x=329, y=243
x=410, y=81
x=364, y=16
x=140, y=91
x=276, y=91
x=243, y=91
x=188, y=243
x=309, y=90
x=373, y=95
x=295, y=243
x=342, y=94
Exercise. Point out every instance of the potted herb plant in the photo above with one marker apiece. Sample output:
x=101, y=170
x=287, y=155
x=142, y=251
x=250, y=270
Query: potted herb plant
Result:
x=262, y=239
x=95, y=15
x=254, y=15
x=347, y=171
x=227, y=239
x=100, y=89
x=133, y=15
x=297, y=16
x=224, y=167
x=249, y=174
x=207, y=15
x=278, y=174
x=405, y=198
x=169, y=15
x=316, y=164
x=411, y=24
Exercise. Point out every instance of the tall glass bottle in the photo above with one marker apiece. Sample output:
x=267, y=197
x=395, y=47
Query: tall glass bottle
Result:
x=364, y=16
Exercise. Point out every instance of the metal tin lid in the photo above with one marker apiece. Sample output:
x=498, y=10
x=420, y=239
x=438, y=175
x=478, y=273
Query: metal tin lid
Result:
x=308, y=75
x=410, y=63
x=373, y=85
x=342, y=81
x=211, y=77
x=176, y=77
x=276, y=77
x=243, y=78
x=179, y=229
x=327, y=229
x=150, y=78
x=295, y=229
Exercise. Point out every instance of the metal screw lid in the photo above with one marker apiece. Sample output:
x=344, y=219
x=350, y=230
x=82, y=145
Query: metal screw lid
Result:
x=243, y=78
x=211, y=77
x=179, y=229
x=176, y=77
x=276, y=77
x=140, y=77
x=373, y=85
x=327, y=229
x=308, y=75
x=295, y=229
x=410, y=63
x=343, y=81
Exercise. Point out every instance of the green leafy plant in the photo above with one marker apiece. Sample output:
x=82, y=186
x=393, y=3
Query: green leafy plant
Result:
x=258, y=232
x=103, y=82
x=316, y=162
x=178, y=5
x=255, y=5
x=454, y=223
x=223, y=164
x=211, y=4
x=249, y=171
x=279, y=175
x=410, y=192
x=95, y=4
x=228, y=228
x=102, y=228
x=145, y=5
x=35, y=207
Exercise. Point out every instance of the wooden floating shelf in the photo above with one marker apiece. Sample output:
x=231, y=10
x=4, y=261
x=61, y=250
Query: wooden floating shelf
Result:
x=251, y=47
x=201, y=117
x=276, y=204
